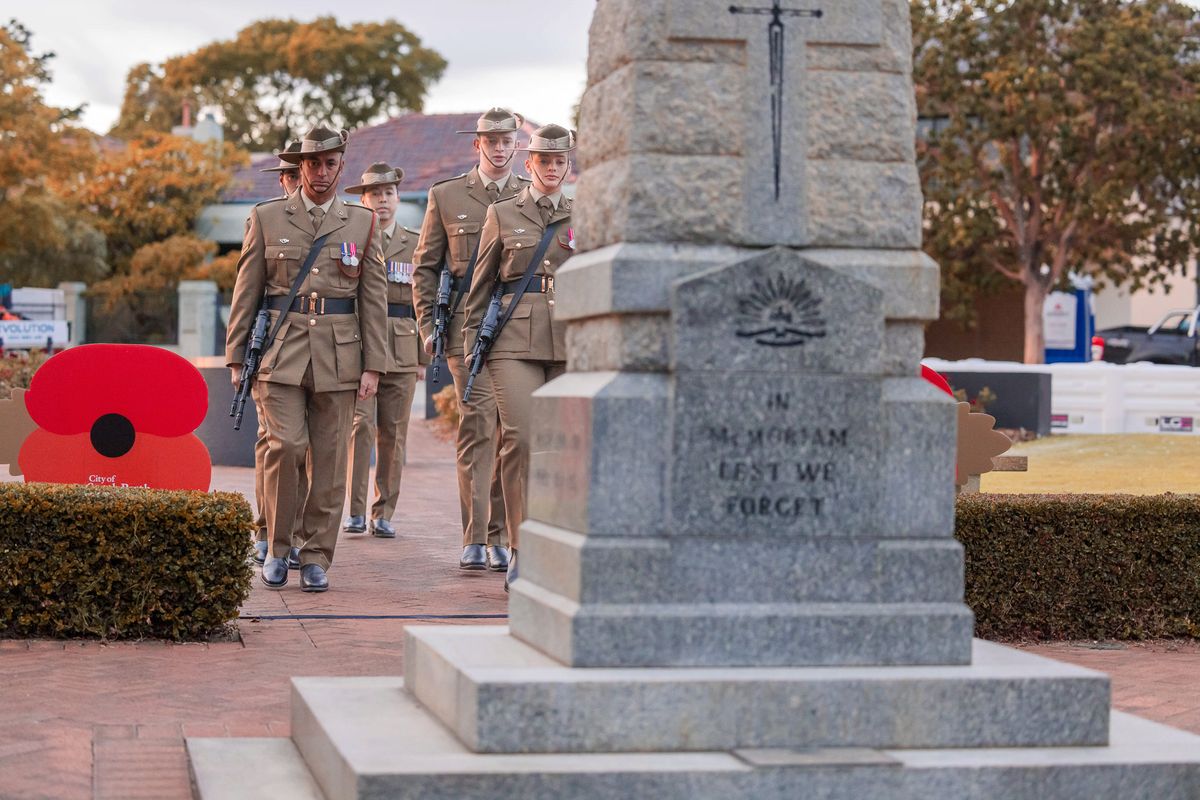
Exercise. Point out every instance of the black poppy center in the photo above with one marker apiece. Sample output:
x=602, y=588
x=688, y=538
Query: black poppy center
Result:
x=112, y=435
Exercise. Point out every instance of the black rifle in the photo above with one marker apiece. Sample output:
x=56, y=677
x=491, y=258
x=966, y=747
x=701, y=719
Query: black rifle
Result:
x=493, y=323
x=441, y=319
x=254, y=351
x=260, y=341
x=488, y=331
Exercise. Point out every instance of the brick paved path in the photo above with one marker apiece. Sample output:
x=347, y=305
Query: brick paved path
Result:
x=89, y=720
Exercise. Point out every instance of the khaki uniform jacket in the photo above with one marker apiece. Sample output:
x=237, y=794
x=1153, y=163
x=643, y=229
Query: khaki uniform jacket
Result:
x=405, y=352
x=511, y=232
x=338, y=346
x=453, y=221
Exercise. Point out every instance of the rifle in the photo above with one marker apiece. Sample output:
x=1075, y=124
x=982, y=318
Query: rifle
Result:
x=441, y=319
x=485, y=339
x=254, y=351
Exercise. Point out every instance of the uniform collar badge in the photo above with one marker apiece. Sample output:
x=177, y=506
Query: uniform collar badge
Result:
x=284, y=241
x=462, y=216
x=518, y=230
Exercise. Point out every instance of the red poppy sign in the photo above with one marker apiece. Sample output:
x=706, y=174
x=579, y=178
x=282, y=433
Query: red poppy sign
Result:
x=111, y=415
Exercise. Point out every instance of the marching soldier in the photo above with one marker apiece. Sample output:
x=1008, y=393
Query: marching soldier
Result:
x=329, y=344
x=383, y=420
x=450, y=234
x=530, y=349
x=289, y=181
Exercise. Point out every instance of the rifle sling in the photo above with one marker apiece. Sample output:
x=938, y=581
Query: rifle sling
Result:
x=465, y=285
x=308, y=262
x=527, y=278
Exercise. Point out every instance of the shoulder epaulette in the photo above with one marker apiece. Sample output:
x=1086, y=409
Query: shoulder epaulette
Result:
x=523, y=179
x=505, y=200
x=351, y=204
x=447, y=180
x=410, y=230
x=272, y=200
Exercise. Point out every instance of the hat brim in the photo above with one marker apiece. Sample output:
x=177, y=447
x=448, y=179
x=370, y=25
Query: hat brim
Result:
x=280, y=168
x=363, y=188
x=296, y=158
x=570, y=149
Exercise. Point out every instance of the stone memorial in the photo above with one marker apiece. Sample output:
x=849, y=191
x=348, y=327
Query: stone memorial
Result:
x=739, y=577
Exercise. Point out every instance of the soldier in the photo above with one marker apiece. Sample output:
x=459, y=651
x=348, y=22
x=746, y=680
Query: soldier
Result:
x=330, y=343
x=450, y=233
x=289, y=181
x=389, y=410
x=530, y=350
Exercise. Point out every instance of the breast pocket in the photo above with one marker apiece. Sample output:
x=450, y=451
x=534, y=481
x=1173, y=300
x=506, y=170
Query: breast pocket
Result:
x=404, y=343
x=517, y=252
x=462, y=237
x=331, y=264
x=515, y=337
x=284, y=263
x=348, y=347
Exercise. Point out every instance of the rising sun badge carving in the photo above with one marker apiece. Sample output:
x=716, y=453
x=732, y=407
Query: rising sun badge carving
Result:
x=779, y=311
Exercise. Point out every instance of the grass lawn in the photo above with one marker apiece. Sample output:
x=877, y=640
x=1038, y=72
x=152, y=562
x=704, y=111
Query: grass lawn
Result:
x=1116, y=463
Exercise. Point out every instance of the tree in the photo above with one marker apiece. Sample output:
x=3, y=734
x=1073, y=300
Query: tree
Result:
x=153, y=189
x=1066, y=140
x=277, y=77
x=44, y=238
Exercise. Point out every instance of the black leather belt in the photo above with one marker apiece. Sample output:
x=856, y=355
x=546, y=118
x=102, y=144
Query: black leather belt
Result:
x=540, y=283
x=310, y=305
x=402, y=311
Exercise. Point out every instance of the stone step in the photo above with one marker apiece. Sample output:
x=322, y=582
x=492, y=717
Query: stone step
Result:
x=250, y=769
x=739, y=634
x=368, y=738
x=499, y=695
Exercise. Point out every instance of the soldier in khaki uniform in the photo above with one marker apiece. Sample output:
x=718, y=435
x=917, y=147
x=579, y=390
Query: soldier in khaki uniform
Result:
x=332, y=342
x=450, y=232
x=383, y=420
x=289, y=182
x=530, y=350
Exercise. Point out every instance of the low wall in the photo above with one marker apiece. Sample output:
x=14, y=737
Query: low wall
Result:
x=1107, y=398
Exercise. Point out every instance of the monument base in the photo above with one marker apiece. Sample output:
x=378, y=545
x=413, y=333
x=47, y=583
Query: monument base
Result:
x=366, y=738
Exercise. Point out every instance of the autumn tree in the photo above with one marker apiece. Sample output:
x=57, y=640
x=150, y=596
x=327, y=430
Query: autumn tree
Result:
x=1064, y=137
x=44, y=238
x=276, y=77
x=154, y=188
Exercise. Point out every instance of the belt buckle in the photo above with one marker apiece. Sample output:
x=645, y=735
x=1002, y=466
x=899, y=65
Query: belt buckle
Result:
x=548, y=284
x=321, y=307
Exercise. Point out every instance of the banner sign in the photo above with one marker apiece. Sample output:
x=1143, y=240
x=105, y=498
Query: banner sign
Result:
x=24, y=334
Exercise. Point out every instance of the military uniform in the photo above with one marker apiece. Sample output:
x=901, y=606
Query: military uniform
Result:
x=383, y=420
x=450, y=231
x=531, y=349
x=308, y=378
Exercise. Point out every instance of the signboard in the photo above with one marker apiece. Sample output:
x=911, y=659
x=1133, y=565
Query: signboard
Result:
x=24, y=334
x=1058, y=319
x=1176, y=424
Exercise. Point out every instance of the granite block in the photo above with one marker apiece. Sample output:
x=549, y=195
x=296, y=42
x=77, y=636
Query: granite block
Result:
x=739, y=634
x=522, y=701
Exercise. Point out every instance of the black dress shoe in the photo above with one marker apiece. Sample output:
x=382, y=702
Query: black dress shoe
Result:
x=383, y=529
x=511, y=575
x=497, y=558
x=260, y=552
x=355, y=524
x=293, y=558
x=312, y=578
x=472, y=557
x=274, y=572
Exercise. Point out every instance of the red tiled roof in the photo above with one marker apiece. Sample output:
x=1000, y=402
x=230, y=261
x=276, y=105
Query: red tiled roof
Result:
x=425, y=146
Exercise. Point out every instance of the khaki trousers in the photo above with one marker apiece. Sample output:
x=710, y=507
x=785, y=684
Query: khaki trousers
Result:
x=381, y=421
x=260, y=452
x=480, y=494
x=514, y=382
x=302, y=422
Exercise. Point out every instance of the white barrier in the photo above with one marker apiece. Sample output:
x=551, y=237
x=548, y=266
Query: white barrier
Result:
x=1109, y=398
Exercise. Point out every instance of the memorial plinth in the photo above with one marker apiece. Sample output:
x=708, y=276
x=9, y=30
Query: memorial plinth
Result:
x=738, y=576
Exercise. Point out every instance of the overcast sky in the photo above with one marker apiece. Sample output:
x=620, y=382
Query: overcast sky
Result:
x=530, y=58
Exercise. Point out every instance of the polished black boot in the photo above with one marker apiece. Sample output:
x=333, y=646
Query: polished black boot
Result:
x=497, y=558
x=274, y=573
x=472, y=558
x=313, y=578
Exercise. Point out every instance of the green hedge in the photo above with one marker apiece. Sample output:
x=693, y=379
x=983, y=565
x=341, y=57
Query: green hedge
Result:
x=120, y=563
x=1054, y=567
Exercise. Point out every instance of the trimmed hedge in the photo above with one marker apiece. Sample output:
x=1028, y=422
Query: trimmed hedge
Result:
x=84, y=561
x=1054, y=567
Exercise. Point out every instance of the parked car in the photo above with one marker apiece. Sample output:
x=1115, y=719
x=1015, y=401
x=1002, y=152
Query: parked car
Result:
x=1171, y=340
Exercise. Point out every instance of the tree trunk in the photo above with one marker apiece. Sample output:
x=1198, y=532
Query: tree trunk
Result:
x=1035, y=333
